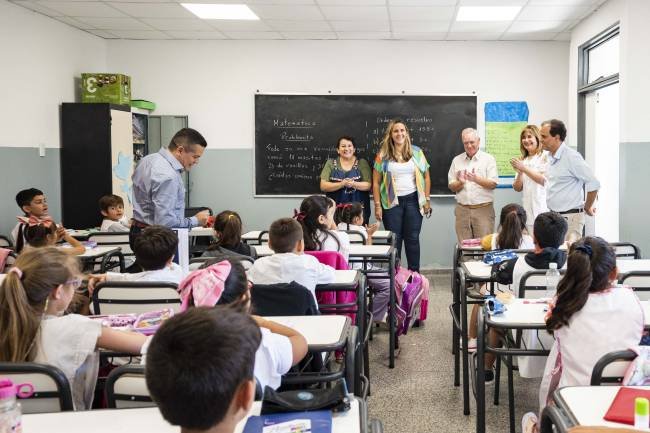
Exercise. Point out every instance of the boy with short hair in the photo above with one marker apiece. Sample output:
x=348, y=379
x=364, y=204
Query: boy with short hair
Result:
x=199, y=369
x=112, y=208
x=289, y=263
x=32, y=202
x=154, y=251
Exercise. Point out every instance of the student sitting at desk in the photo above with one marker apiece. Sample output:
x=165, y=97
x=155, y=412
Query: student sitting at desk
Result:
x=592, y=316
x=43, y=232
x=289, y=263
x=213, y=386
x=33, y=297
x=32, y=202
x=112, y=208
x=227, y=232
x=154, y=250
x=225, y=283
x=316, y=217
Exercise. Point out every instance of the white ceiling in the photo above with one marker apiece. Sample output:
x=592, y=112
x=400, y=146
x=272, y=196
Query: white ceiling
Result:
x=319, y=19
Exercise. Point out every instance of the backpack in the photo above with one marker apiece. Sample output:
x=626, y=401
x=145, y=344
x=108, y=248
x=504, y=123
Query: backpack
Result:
x=412, y=293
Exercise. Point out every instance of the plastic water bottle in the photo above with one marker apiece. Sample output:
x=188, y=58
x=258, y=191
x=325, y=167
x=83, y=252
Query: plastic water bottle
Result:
x=10, y=413
x=552, y=278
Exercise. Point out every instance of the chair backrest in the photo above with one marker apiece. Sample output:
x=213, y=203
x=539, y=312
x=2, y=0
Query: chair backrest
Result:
x=639, y=281
x=51, y=388
x=286, y=299
x=611, y=367
x=202, y=262
x=626, y=250
x=356, y=237
x=533, y=284
x=123, y=297
x=5, y=242
x=330, y=258
x=116, y=239
x=126, y=387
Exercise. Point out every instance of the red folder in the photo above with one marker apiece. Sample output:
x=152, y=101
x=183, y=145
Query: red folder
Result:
x=622, y=407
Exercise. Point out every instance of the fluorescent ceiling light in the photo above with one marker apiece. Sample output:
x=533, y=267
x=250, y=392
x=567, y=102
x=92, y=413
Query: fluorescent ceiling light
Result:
x=487, y=13
x=220, y=12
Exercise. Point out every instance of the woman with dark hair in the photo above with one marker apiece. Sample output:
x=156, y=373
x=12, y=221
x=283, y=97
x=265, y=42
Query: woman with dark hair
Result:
x=592, y=316
x=347, y=179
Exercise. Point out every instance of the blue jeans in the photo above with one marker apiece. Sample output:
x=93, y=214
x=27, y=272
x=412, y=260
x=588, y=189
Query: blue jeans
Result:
x=405, y=221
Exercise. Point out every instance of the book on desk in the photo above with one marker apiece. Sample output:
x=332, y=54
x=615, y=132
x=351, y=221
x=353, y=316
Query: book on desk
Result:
x=319, y=421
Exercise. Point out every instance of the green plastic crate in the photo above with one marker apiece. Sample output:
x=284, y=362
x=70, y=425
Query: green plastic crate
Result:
x=106, y=87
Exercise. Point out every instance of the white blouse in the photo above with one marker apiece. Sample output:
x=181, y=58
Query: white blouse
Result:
x=534, y=194
x=403, y=176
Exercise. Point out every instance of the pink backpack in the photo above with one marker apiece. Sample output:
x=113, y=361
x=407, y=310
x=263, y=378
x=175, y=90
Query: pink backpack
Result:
x=412, y=298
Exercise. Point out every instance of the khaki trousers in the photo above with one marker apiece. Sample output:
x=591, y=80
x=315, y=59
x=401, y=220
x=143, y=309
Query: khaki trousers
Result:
x=474, y=223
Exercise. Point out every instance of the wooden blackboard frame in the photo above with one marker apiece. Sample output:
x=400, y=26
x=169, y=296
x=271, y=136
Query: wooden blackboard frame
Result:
x=256, y=194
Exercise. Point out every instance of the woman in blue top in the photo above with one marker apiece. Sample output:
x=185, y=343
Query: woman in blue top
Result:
x=347, y=179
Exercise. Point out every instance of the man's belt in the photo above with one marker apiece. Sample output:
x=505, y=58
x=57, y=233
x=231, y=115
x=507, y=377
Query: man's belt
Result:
x=475, y=206
x=139, y=224
x=576, y=210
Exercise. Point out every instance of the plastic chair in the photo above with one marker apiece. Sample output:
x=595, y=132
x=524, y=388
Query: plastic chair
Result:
x=126, y=387
x=626, y=250
x=51, y=388
x=611, y=367
x=124, y=297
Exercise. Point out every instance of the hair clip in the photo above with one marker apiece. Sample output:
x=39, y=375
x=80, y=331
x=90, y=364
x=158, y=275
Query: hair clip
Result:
x=343, y=205
x=16, y=270
x=585, y=249
x=298, y=216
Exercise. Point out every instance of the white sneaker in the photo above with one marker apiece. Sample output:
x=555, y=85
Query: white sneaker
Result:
x=529, y=423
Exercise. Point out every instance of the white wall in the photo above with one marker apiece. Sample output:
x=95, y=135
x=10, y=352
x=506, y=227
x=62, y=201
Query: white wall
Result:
x=633, y=16
x=41, y=58
x=214, y=81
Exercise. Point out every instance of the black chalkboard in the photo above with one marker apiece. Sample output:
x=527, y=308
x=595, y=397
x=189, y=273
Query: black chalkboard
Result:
x=296, y=134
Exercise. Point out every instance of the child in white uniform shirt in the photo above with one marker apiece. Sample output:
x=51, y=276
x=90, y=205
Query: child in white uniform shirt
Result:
x=112, y=209
x=154, y=250
x=318, y=227
x=289, y=263
x=225, y=283
x=592, y=316
x=33, y=297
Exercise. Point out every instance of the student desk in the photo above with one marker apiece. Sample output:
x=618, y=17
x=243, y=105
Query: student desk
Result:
x=379, y=237
x=149, y=420
x=380, y=254
x=263, y=250
x=521, y=314
x=201, y=231
x=584, y=405
x=105, y=253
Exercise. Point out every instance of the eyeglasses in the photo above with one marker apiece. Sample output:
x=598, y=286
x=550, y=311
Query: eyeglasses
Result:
x=74, y=283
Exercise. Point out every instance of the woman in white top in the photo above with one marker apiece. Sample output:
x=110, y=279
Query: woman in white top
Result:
x=33, y=297
x=592, y=316
x=531, y=168
x=400, y=189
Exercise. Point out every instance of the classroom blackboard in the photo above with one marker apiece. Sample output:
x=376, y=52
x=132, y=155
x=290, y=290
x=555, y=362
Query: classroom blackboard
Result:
x=296, y=134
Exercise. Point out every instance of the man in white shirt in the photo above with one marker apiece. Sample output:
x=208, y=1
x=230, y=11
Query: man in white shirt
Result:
x=473, y=177
x=568, y=177
x=289, y=263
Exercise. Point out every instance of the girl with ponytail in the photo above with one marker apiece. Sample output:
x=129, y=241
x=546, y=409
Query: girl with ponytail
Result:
x=33, y=297
x=227, y=232
x=592, y=316
x=512, y=232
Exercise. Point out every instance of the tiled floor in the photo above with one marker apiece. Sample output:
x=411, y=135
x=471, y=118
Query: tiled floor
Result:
x=418, y=395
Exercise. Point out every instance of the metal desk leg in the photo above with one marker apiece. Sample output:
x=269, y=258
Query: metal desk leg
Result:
x=391, y=312
x=455, y=334
x=463, y=324
x=480, y=374
x=351, y=375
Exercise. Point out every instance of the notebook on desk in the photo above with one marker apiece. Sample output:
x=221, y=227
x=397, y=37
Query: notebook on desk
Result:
x=319, y=421
x=622, y=407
